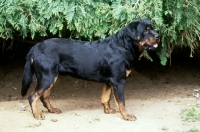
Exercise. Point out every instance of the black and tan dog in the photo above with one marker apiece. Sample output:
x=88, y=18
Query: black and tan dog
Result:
x=107, y=60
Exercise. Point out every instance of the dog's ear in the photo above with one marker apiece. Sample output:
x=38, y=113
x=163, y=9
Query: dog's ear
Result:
x=143, y=21
x=136, y=27
x=131, y=29
x=134, y=24
x=142, y=25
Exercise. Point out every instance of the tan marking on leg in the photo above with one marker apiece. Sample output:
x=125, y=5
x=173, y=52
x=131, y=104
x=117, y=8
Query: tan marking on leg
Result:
x=105, y=93
x=128, y=72
x=105, y=98
x=46, y=102
x=122, y=110
x=124, y=113
x=115, y=100
x=36, y=113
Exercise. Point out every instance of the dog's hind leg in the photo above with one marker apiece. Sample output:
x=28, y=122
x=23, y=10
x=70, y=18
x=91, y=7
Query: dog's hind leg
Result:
x=42, y=92
x=105, y=98
x=33, y=99
x=45, y=100
x=45, y=81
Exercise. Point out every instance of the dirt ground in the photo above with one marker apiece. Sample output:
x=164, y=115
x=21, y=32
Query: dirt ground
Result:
x=155, y=94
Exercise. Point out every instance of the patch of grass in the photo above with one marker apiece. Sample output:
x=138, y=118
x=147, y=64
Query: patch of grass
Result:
x=96, y=119
x=191, y=114
x=164, y=128
x=194, y=130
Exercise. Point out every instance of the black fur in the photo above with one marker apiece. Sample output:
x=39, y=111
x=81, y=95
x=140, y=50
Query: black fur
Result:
x=104, y=60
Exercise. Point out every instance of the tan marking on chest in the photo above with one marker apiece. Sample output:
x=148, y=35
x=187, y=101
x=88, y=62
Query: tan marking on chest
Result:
x=128, y=72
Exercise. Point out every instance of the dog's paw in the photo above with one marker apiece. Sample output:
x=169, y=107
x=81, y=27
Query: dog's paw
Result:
x=55, y=110
x=129, y=117
x=39, y=116
x=110, y=111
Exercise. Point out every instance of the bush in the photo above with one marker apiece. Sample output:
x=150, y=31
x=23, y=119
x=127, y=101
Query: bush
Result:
x=177, y=21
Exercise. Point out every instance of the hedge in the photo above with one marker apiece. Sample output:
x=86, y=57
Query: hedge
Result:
x=177, y=21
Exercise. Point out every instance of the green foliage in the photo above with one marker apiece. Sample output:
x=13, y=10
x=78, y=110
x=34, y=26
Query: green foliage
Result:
x=164, y=128
x=177, y=21
x=191, y=114
x=193, y=130
x=181, y=26
x=146, y=55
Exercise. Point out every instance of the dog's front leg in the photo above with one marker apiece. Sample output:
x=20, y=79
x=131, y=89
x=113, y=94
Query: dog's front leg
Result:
x=119, y=97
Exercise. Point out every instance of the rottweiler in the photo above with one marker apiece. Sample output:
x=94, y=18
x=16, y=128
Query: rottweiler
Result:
x=106, y=60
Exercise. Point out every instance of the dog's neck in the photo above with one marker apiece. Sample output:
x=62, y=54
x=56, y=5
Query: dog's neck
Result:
x=130, y=44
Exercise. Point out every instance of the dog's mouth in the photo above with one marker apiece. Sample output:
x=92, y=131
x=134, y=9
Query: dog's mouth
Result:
x=150, y=43
x=150, y=46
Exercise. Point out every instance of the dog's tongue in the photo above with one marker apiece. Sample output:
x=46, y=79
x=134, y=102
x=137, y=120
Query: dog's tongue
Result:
x=155, y=45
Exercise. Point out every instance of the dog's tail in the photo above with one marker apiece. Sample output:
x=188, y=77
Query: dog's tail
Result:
x=27, y=76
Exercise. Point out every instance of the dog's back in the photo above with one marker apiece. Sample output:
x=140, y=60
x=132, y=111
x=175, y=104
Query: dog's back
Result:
x=88, y=60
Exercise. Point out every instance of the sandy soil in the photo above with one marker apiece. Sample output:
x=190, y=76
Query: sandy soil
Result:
x=154, y=94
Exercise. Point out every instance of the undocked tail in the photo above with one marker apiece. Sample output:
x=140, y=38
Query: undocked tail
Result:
x=27, y=77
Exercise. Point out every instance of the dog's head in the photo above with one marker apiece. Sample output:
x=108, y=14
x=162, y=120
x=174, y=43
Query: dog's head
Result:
x=147, y=38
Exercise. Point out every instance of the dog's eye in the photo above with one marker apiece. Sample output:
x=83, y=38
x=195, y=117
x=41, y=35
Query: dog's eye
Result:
x=146, y=31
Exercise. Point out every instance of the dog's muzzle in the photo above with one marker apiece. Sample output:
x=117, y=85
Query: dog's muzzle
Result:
x=150, y=47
